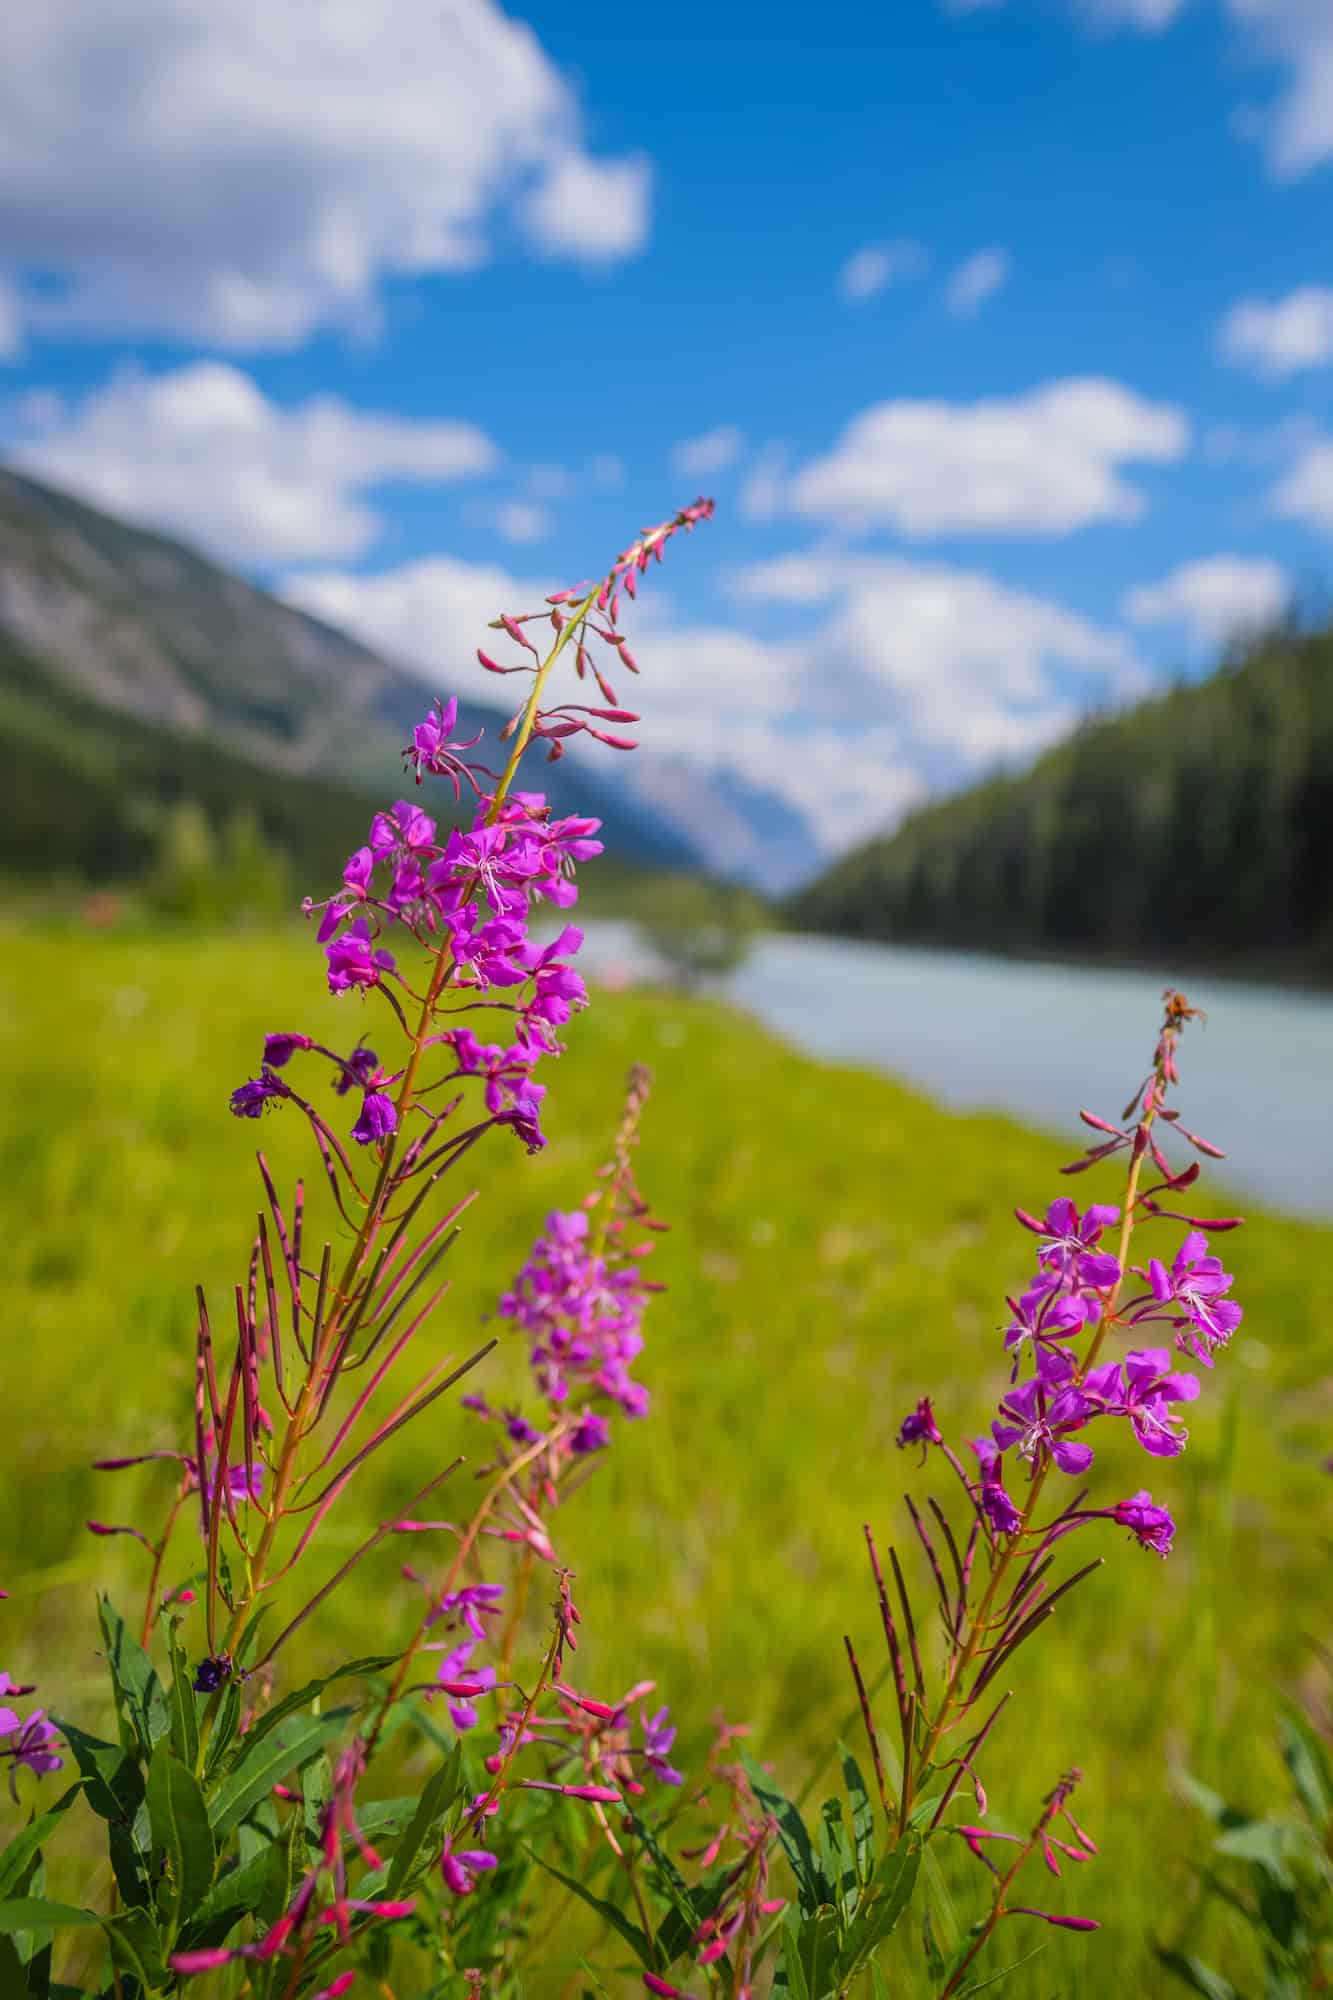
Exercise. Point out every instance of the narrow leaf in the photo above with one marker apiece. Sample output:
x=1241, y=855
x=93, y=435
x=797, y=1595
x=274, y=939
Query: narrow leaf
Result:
x=291, y=1744
x=640, y=1945
x=863, y=1814
x=182, y=1838
x=440, y=1793
x=36, y=1913
x=25, y=1846
x=141, y=1700
x=302, y=1698
x=791, y=1832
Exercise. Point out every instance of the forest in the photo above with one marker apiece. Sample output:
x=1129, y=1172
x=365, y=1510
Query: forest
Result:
x=1199, y=822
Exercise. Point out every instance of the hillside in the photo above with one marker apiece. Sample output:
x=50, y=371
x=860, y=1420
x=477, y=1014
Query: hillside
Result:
x=1199, y=823
x=133, y=670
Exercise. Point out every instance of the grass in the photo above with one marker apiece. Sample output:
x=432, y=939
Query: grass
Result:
x=838, y=1246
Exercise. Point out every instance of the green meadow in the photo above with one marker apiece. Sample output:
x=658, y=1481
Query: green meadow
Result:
x=838, y=1246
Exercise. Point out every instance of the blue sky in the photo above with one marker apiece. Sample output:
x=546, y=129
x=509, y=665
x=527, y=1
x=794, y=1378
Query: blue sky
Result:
x=1002, y=332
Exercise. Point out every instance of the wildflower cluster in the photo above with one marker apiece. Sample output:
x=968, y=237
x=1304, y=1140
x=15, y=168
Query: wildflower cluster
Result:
x=253, y=1846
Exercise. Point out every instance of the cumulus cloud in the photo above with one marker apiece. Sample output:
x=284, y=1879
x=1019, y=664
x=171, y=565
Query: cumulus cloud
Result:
x=1283, y=337
x=240, y=174
x=870, y=269
x=1305, y=492
x=977, y=279
x=522, y=521
x=893, y=674
x=714, y=451
x=203, y=453
x=1214, y=599
x=958, y=661
x=1043, y=463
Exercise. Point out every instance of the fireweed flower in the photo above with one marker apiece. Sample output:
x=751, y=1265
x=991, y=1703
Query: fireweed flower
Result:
x=468, y=1606
x=26, y=1740
x=377, y=1120
x=1040, y=1415
x=1196, y=1285
x=355, y=961
x=919, y=1427
x=1068, y=1241
x=995, y=1503
x=432, y=750
x=1142, y=1388
x=249, y=1100
x=1151, y=1526
x=461, y=1866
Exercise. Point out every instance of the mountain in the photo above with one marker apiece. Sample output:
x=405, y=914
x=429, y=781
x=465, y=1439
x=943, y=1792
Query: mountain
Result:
x=1197, y=825
x=128, y=652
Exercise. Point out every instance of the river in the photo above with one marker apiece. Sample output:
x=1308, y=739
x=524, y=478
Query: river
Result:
x=1040, y=1041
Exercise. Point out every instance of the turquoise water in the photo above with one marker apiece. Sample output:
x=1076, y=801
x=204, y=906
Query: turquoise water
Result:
x=1041, y=1041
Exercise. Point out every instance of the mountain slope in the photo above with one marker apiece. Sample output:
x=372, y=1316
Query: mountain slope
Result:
x=1198, y=824
x=115, y=619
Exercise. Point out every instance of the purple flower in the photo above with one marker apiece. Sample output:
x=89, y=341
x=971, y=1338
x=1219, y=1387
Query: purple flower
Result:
x=459, y=1868
x=469, y=1605
x=378, y=1118
x=658, y=1736
x=454, y=1668
x=1196, y=1282
x=1036, y=1420
x=998, y=1508
x=358, y=872
x=518, y=1429
x=431, y=750
x=1068, y=1240
x=353, y=960
x=1142, y=1388
x=210, y=1674
x=1043, y=1314
x=919, y=1427
x=249, y=1099
x=1151, y=1526
x=27, y=1741
x=592, y=1433
x=359, y=1070
x=279, y=1049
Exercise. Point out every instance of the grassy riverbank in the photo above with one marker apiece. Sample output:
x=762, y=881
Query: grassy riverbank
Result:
x=838, y=1246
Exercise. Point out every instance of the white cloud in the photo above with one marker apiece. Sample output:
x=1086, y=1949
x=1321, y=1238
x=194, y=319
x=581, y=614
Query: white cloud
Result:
x=1298, y=34
x=714, y=451
x=522, y=521
x=607, y=471
x=1149, y=15
x=1215, y=599
x=1281, y=338
x=11, y=322
x=901, y=673
x=1305, y=492
x=977, y=279
x=1043, y=463
x=201, y=452
x=870, y=269
x=240, y=174
x=595, y=210
x=549, y=482
x=957, y=661
x=765, y=486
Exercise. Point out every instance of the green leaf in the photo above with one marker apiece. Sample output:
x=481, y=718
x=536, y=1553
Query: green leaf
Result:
x=994, y=1978
x=1200, y=1978
x=282, y=1870
x=1270, y=1842
x=817, y=1954
x=797, y=1984
x=316, y=1791
x=24, y=1847
x=666, y=1878
x=285, y=1749
x=676, y=1930
x=182, y=1838
x=234, y=1895
x=641, y=1946
x=184, y=1708
x=302, y=1698
x=113, y=1782
x=1210, y=1802
x=1307, y=1760
x=863, y=1814
x=141, y=1701
x=836, y=1864
x=35, y=1913
x=137, y=1949
x=226, y=1722
x=440, y=1793
x=795, y=1840
x=888, y=1896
